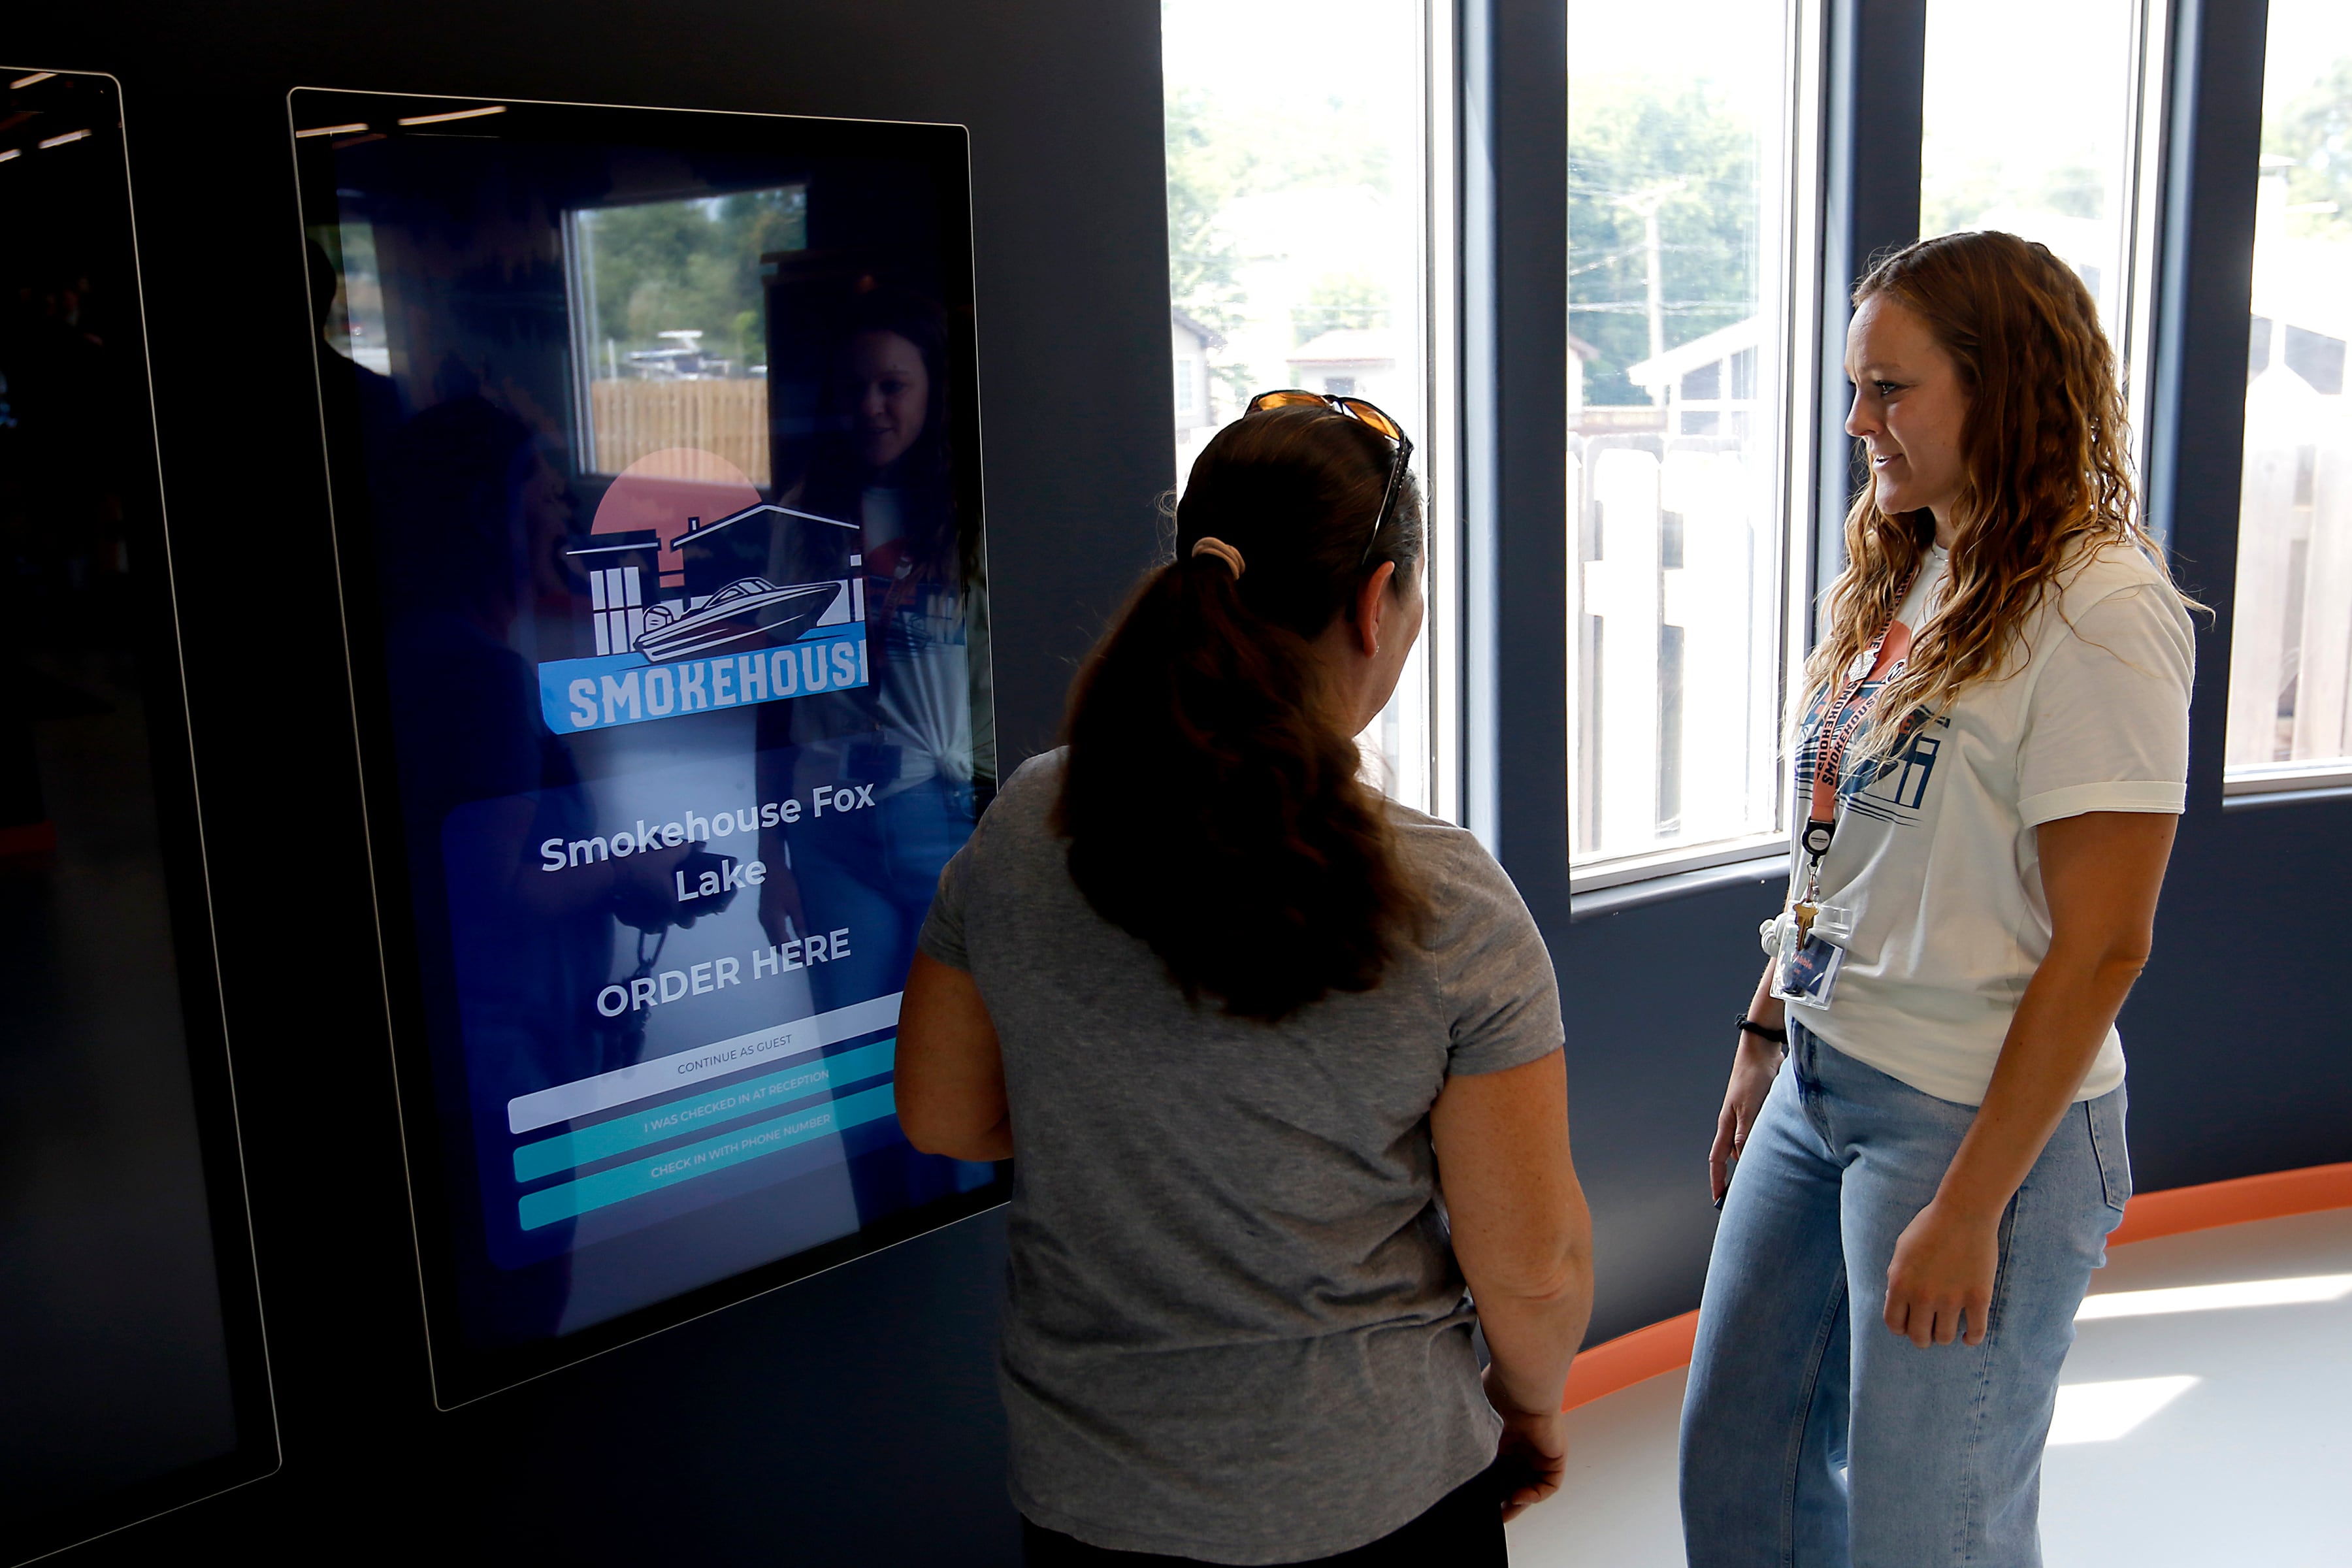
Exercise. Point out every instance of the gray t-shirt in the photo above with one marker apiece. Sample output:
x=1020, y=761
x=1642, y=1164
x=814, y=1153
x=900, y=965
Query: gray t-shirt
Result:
x=1235, y=1329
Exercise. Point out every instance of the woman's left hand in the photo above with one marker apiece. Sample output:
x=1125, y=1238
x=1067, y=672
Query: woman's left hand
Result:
x=1943, y=1271
x=1532, y=1455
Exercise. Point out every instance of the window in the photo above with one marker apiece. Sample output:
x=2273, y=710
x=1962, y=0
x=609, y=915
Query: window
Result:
x=1681, y=311
x=2077, y=172
x=1299, y=229
x=2290, y=723
x=2036, y=141
x=670, y=320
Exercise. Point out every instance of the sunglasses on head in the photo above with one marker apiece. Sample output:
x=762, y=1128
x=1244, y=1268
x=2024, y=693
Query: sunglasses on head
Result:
x=1355, y=408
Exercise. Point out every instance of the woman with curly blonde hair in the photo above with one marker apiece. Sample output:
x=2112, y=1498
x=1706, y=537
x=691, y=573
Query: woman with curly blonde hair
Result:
x=1989, y=751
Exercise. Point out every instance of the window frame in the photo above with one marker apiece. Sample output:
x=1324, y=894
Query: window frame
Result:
x=2152, y=40
x=2262, y=783
x=2215, y=53
x=2282, y=778
x=1445, y=524
x=1438, y=453
x=1796, y=317
x=1501, y=732
x=1853, y=195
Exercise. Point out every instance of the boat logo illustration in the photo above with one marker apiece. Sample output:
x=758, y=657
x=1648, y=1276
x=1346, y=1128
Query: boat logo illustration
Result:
x=747, y=607
x=732, y=636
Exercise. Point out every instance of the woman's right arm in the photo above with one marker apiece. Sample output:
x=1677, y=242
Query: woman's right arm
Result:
x=1524, y=1239
x=1754, y=1065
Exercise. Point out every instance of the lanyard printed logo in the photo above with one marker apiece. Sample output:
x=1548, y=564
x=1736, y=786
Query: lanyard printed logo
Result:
x=1848, y=710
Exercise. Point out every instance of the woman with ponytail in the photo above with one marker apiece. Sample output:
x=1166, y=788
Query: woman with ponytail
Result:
x=1992, y=751
x=1281, y=1061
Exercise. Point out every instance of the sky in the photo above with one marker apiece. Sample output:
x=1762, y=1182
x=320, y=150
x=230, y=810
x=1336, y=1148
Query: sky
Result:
x=2033, y=84
x=1715, y=40
x=2016, y=58
x=1281, y=51
x=2307, y=38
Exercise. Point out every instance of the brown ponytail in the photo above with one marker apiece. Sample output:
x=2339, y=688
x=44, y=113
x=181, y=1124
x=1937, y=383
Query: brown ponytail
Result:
x=1212, y=806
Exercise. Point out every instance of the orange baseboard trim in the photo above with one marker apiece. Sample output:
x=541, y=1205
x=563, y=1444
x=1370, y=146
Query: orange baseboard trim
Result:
x=2277, y=1195
x=1630, y=1359
x=1645, y=1354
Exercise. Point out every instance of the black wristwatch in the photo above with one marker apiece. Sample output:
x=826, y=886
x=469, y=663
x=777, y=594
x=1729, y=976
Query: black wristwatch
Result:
x=1748, y=1025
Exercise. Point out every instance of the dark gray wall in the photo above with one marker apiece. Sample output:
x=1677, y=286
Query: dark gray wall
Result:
x=852, y=1418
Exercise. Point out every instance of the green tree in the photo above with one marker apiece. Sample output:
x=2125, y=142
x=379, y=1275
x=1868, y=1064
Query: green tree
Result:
x=1953, y=194
x=1629, y=135
x=2315, y=131
x=692, y=265
x=1956, y=194
x=2075, y=190
x=1340, y=301
x=1206, y=170
x=1219, y=150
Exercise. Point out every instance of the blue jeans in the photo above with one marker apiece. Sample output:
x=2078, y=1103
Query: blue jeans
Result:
x=1812, y=1436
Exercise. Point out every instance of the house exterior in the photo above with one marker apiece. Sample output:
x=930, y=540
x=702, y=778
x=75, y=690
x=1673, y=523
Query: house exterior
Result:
x=1352, y=362
x=1580, y=354
x=1189, y=343
x=2290, y=660
x=1708, y=386
x=1189, y=346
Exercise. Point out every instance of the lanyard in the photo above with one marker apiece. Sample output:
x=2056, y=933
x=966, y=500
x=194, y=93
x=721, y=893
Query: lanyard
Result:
x=1848, y=709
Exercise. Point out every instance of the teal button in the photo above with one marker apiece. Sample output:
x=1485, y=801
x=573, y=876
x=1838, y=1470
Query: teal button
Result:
x=568, y=1200
x=810, y=1075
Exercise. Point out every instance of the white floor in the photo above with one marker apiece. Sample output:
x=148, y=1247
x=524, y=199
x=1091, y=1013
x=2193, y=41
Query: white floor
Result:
x=2194, y=1429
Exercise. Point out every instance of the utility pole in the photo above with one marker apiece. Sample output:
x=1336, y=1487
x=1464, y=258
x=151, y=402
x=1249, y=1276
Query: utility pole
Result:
x=1646, y=203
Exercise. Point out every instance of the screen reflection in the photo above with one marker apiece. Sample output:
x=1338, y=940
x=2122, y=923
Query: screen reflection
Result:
x=133, y=1379
x=655, y=435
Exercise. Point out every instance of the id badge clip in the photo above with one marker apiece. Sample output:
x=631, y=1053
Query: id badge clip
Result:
x=1807, y=941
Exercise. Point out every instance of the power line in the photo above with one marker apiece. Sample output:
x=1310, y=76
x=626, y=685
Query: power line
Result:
x=1670, y=306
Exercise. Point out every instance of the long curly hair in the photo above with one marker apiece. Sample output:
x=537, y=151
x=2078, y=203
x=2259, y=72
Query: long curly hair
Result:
x=2046, y=472
x=1213, y=808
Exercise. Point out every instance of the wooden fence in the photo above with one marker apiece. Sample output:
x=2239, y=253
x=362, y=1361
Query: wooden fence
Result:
x=2290, y=654
x=728, y=419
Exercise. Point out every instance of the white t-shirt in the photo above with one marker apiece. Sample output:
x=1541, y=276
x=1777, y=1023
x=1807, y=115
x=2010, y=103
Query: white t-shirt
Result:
x=1935, y=865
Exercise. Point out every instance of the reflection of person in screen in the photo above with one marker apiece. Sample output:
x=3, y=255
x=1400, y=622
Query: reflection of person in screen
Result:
x=912, y=735
x=477, y=517
x=915, y=736
x=351, y=389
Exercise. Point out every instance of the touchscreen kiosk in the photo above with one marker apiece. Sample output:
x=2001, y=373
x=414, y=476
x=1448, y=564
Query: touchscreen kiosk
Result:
x=654, y=456
x=134, y=1374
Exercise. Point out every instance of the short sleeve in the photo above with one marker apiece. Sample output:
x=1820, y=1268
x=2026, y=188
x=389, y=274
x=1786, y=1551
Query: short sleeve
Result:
x=2107, y=723
x=943, y=936
x=1495, y=972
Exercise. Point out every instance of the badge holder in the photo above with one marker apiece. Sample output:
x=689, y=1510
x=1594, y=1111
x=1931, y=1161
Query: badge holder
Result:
x=1806, y=960
x=1808, y=940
